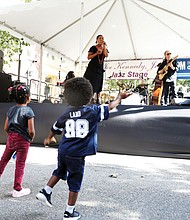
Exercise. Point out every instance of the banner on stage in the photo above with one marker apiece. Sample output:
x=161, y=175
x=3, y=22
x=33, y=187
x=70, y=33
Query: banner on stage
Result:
x=183, y=65
x=131, y=69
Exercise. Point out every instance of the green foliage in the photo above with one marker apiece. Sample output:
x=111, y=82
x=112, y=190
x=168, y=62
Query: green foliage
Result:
x=11, y=46
x=183, y=82
x=112, y=85
x=27, y=1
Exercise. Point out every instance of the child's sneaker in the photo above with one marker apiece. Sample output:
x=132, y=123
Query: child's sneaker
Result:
x=22, y=192
x=14, y=156
x=44, y=198
x=75, y=215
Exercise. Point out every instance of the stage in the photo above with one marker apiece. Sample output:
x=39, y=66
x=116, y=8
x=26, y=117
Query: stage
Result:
x=161, y=131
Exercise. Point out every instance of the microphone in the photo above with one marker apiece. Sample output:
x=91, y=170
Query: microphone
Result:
x=106, y=46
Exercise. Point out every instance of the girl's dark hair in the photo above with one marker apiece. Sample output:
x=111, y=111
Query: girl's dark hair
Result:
x=78, y=91
x=19, y=93
x=70, y=75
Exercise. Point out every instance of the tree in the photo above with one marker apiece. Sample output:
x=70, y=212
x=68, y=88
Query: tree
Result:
x=121, y=84
x=11, y=46
x=27, y=1
x=184, y=82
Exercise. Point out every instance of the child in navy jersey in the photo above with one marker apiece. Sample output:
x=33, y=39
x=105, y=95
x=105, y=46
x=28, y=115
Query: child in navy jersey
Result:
x=79, y=123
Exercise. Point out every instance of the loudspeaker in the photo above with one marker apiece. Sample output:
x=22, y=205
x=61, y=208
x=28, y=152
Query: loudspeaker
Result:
x=5, y=83
x=181, y=101
x=185, y=103
x=1, y=61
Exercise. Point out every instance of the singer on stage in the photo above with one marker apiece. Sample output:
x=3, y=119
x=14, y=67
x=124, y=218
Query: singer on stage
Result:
x=95, y=70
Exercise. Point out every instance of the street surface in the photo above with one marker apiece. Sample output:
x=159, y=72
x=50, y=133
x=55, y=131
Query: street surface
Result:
x=115, y=187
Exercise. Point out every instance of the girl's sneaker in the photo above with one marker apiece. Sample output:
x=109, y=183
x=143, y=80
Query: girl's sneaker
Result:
x=22, y=192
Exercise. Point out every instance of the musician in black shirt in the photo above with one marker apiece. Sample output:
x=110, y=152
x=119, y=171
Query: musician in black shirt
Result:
x=166, y=72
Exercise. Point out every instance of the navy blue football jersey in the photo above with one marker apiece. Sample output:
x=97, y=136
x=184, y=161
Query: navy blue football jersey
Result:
x=80, y=129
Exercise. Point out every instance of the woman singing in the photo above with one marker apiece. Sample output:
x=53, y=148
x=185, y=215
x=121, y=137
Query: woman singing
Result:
x=94, y=71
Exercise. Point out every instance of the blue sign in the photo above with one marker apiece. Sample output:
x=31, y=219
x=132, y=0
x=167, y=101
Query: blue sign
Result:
x=183, y=65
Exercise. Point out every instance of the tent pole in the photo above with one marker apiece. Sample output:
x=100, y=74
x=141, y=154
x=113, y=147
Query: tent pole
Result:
x=81, y=37
x=74, y=22
x=40, y=72
x=129, y=29
x=93, y=35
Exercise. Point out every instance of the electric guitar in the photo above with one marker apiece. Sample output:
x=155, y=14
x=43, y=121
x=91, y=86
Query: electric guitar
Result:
x=165, y=69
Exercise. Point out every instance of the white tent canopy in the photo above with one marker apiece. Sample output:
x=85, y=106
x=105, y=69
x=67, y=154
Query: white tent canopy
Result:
x=133, y=29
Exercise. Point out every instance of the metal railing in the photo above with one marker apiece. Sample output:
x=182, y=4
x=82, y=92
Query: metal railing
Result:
x=34, y=85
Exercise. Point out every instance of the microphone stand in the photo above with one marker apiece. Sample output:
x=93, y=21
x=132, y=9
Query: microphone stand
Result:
x=19, y=62
x=27, y=72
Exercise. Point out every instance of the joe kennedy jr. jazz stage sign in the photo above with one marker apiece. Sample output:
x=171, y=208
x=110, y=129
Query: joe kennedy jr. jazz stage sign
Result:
x=131, y=69
x=142, y=69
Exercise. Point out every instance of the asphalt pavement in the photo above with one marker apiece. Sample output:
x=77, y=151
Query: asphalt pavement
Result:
x=115, y=187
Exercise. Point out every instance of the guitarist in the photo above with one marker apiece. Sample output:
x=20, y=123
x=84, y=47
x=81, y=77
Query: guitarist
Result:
x=167, y=69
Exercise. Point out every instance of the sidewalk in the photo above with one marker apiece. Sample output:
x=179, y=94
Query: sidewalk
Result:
x=115, y=187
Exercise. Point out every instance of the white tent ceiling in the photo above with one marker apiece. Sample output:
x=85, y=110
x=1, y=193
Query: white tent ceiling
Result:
x=133, y=29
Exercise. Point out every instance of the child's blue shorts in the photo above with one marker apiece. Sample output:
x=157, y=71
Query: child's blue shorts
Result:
x=70, y=169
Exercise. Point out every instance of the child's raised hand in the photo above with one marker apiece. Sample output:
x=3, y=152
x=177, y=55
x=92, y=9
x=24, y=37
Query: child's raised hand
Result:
x=124, y=95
